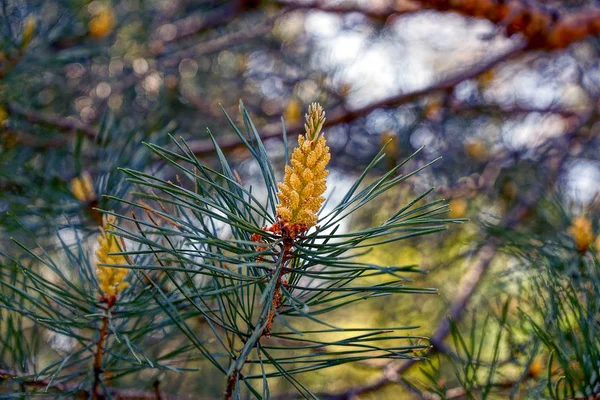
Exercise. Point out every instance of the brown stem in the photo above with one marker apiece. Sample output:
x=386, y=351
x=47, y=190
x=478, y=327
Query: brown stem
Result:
x=119, y=393
x=277, y=296
x=276, y=302
x=230, y=385
x=100, y=346
x=63, y=124
x=157, y=390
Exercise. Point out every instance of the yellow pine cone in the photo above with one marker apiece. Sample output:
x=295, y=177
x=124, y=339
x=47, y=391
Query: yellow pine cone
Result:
x=28, y=30
x=300, y=194
x=537, y=367
x=110, y=278
x=3, y=115
x=102, y=23
x=476, y=149
x=582, y=232
x=82, y=188
x=458, y=208
x=293, y=111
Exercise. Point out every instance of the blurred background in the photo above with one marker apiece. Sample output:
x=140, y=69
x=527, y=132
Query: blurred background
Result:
x=505, y=92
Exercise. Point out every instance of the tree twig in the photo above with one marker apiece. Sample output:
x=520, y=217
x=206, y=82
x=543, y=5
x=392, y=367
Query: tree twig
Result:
x=121, y=394
x=202, y=22
x=63, y=124
x=103, y=333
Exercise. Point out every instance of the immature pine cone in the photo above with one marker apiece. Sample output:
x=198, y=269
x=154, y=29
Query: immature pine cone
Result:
x=110, y=278
x=300, y=194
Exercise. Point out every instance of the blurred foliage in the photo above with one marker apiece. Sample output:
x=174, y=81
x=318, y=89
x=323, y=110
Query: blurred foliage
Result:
x=507, y=93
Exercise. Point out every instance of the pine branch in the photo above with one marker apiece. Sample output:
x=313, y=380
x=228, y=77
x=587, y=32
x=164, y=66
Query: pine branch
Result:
x=542, y=27
x=204, y=21
x=122, y=394
x=66, y=125
x=102, y=334
x=225, y=41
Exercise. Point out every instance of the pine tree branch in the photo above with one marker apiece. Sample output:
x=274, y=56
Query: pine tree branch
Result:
x=204, y=21
x=595, y=396
x=118, y=393
x=66, y=125
x=542, y=27
x=157, y=394
x=225, y=41
x=103, y=332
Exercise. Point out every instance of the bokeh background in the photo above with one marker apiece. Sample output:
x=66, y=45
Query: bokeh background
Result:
x=505, y=92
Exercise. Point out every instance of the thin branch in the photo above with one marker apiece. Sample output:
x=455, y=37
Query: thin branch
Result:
x=226, y=41
x=63, y=124
x=204, y=21
x=103, y=333
x=122, y=394
x=542, y=27
x=157, y=394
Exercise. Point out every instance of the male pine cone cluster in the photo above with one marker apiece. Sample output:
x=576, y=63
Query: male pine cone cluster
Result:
x=300, y=194
x=110, y=278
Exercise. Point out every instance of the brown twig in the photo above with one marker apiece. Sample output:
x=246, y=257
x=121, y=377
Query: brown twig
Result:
x=542, y=27
x=121, y=394
x=63, y=124
x=102, y=333
x=156, y=386
x=230, y=385
x=274, y=303
x=379, y=12
x=201, y=22
x=226, y=41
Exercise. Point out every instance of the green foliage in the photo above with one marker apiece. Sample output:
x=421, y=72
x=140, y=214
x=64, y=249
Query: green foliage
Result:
x=197, y=269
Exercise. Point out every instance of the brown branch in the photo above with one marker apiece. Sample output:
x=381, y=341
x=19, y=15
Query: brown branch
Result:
x=226, y=41
x=230, y=385
x=512, y=110
x=542, y=27
x=103, y=333
x=121, y=394
x=7, y=375
x=201, y=22
x=63, y=124
x=274, y=304
x=595, y=396
x=157, y=394
x=342, y=115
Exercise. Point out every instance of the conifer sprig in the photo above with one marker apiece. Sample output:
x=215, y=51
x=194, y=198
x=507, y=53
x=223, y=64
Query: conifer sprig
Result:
x=262, y=287
x=205, y=270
